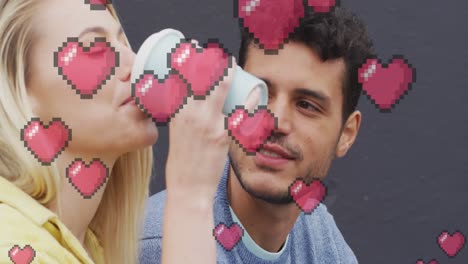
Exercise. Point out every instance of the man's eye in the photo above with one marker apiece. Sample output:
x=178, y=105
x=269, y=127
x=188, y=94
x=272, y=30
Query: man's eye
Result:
x=308, y=106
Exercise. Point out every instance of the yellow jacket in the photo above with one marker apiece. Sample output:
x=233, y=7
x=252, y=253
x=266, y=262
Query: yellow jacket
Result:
x=23, y=221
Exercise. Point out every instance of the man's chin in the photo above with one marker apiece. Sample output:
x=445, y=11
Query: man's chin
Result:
x=269, y=197
x=265, y=191
x=263, y=183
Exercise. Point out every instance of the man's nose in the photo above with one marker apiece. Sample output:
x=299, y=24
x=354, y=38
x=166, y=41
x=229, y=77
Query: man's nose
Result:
x=281, y=110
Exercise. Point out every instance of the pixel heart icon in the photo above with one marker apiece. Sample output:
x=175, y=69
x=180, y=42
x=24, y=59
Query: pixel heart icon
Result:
x=451, y=244
x=202, y=68
x=228, y=237
x=98, y=4
x=86, y=69
x=386, y=84
x=22, y=255
x=87, y=178
x=46, y=142
x=250, y=130
x=269, y=22
x=322, y=6
x=160, y=99
x=307, y=196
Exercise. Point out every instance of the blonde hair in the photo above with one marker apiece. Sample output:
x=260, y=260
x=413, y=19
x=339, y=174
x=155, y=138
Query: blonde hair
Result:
x=120, y=213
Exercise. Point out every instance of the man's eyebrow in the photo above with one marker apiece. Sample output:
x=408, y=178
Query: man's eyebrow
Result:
x=99, y=30
x=318, y=95
x=303, y=91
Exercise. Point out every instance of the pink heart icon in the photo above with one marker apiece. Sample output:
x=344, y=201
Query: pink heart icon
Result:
x=451, y=244
x=250, y=130
x=321, y=6
x=203, y=68
x=46, y=142
x=228, y=237
x=86, y=69
x=22, y=256
x=98, y=4
x=87, y=179
x=385, y=85
x=270, y=22
x=420, y=261
x=307, y=197
x=161, y=99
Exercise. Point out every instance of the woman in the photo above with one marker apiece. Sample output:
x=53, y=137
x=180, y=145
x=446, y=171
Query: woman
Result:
x=39, y=207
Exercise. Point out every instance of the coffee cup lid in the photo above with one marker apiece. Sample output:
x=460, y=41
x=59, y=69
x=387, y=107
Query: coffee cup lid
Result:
x=155, y=45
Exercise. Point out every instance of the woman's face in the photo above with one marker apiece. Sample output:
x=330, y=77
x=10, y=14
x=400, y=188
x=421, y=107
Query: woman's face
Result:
x=104, y=123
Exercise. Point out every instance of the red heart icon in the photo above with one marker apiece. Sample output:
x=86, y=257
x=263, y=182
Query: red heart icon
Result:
x=270, y=22
x=420, y=261
x=161, y=99
x=87, y=179
x=307, y=196
x=250, y=130
x=203, y=68
x=321, y=6
x=98, y=4
x=22, y=256
x=384, y=84
x=46, y=142
x=451, y=244
x=228, y=237
x=86, y=69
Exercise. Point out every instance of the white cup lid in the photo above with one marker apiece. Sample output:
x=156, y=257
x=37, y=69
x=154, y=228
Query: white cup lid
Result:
x=152, y=54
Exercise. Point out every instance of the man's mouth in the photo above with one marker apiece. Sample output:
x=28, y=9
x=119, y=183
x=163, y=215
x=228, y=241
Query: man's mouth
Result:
x=273, y=156
x=276, y=151
x=270, y=153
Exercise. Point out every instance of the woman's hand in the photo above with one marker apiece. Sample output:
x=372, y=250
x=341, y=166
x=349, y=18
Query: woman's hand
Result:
x=199, y=142
x=198, y=148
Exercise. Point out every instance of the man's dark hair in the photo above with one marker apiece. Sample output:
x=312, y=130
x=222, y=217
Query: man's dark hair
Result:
x=332, y=35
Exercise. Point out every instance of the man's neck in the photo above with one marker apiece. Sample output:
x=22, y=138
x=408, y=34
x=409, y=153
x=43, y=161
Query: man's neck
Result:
x=268, y=224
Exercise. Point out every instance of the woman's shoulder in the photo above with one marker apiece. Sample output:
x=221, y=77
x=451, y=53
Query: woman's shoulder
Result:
x=14, y=224
x=22, y=238
x=26, y=254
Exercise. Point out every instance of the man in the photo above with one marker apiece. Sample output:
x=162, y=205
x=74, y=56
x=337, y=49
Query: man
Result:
x=313, y=92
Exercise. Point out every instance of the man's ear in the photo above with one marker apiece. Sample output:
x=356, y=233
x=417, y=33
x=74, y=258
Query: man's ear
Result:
x=348, y=134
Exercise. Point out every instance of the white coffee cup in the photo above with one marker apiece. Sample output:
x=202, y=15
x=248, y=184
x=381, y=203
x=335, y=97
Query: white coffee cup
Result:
x=153, y=56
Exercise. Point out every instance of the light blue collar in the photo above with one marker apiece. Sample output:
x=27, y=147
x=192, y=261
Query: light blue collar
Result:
x=253, y=247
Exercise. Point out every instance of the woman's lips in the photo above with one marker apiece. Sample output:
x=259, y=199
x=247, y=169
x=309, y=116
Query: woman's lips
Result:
x=128, y=100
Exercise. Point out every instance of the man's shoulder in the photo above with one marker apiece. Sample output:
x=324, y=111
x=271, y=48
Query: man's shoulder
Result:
x=317, y=216
x=319, y=229
x=314, y=224
x=154, y=215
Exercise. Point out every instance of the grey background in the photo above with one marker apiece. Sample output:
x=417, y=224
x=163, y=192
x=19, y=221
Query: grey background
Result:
x=406, y=178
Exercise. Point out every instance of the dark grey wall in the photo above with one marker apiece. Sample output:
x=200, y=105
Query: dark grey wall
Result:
x=406, y=178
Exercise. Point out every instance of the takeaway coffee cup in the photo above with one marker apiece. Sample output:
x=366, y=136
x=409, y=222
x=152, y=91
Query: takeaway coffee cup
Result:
x=153, y=56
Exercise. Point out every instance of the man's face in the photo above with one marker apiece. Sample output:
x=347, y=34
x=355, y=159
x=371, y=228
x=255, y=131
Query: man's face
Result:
x=305, y=94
